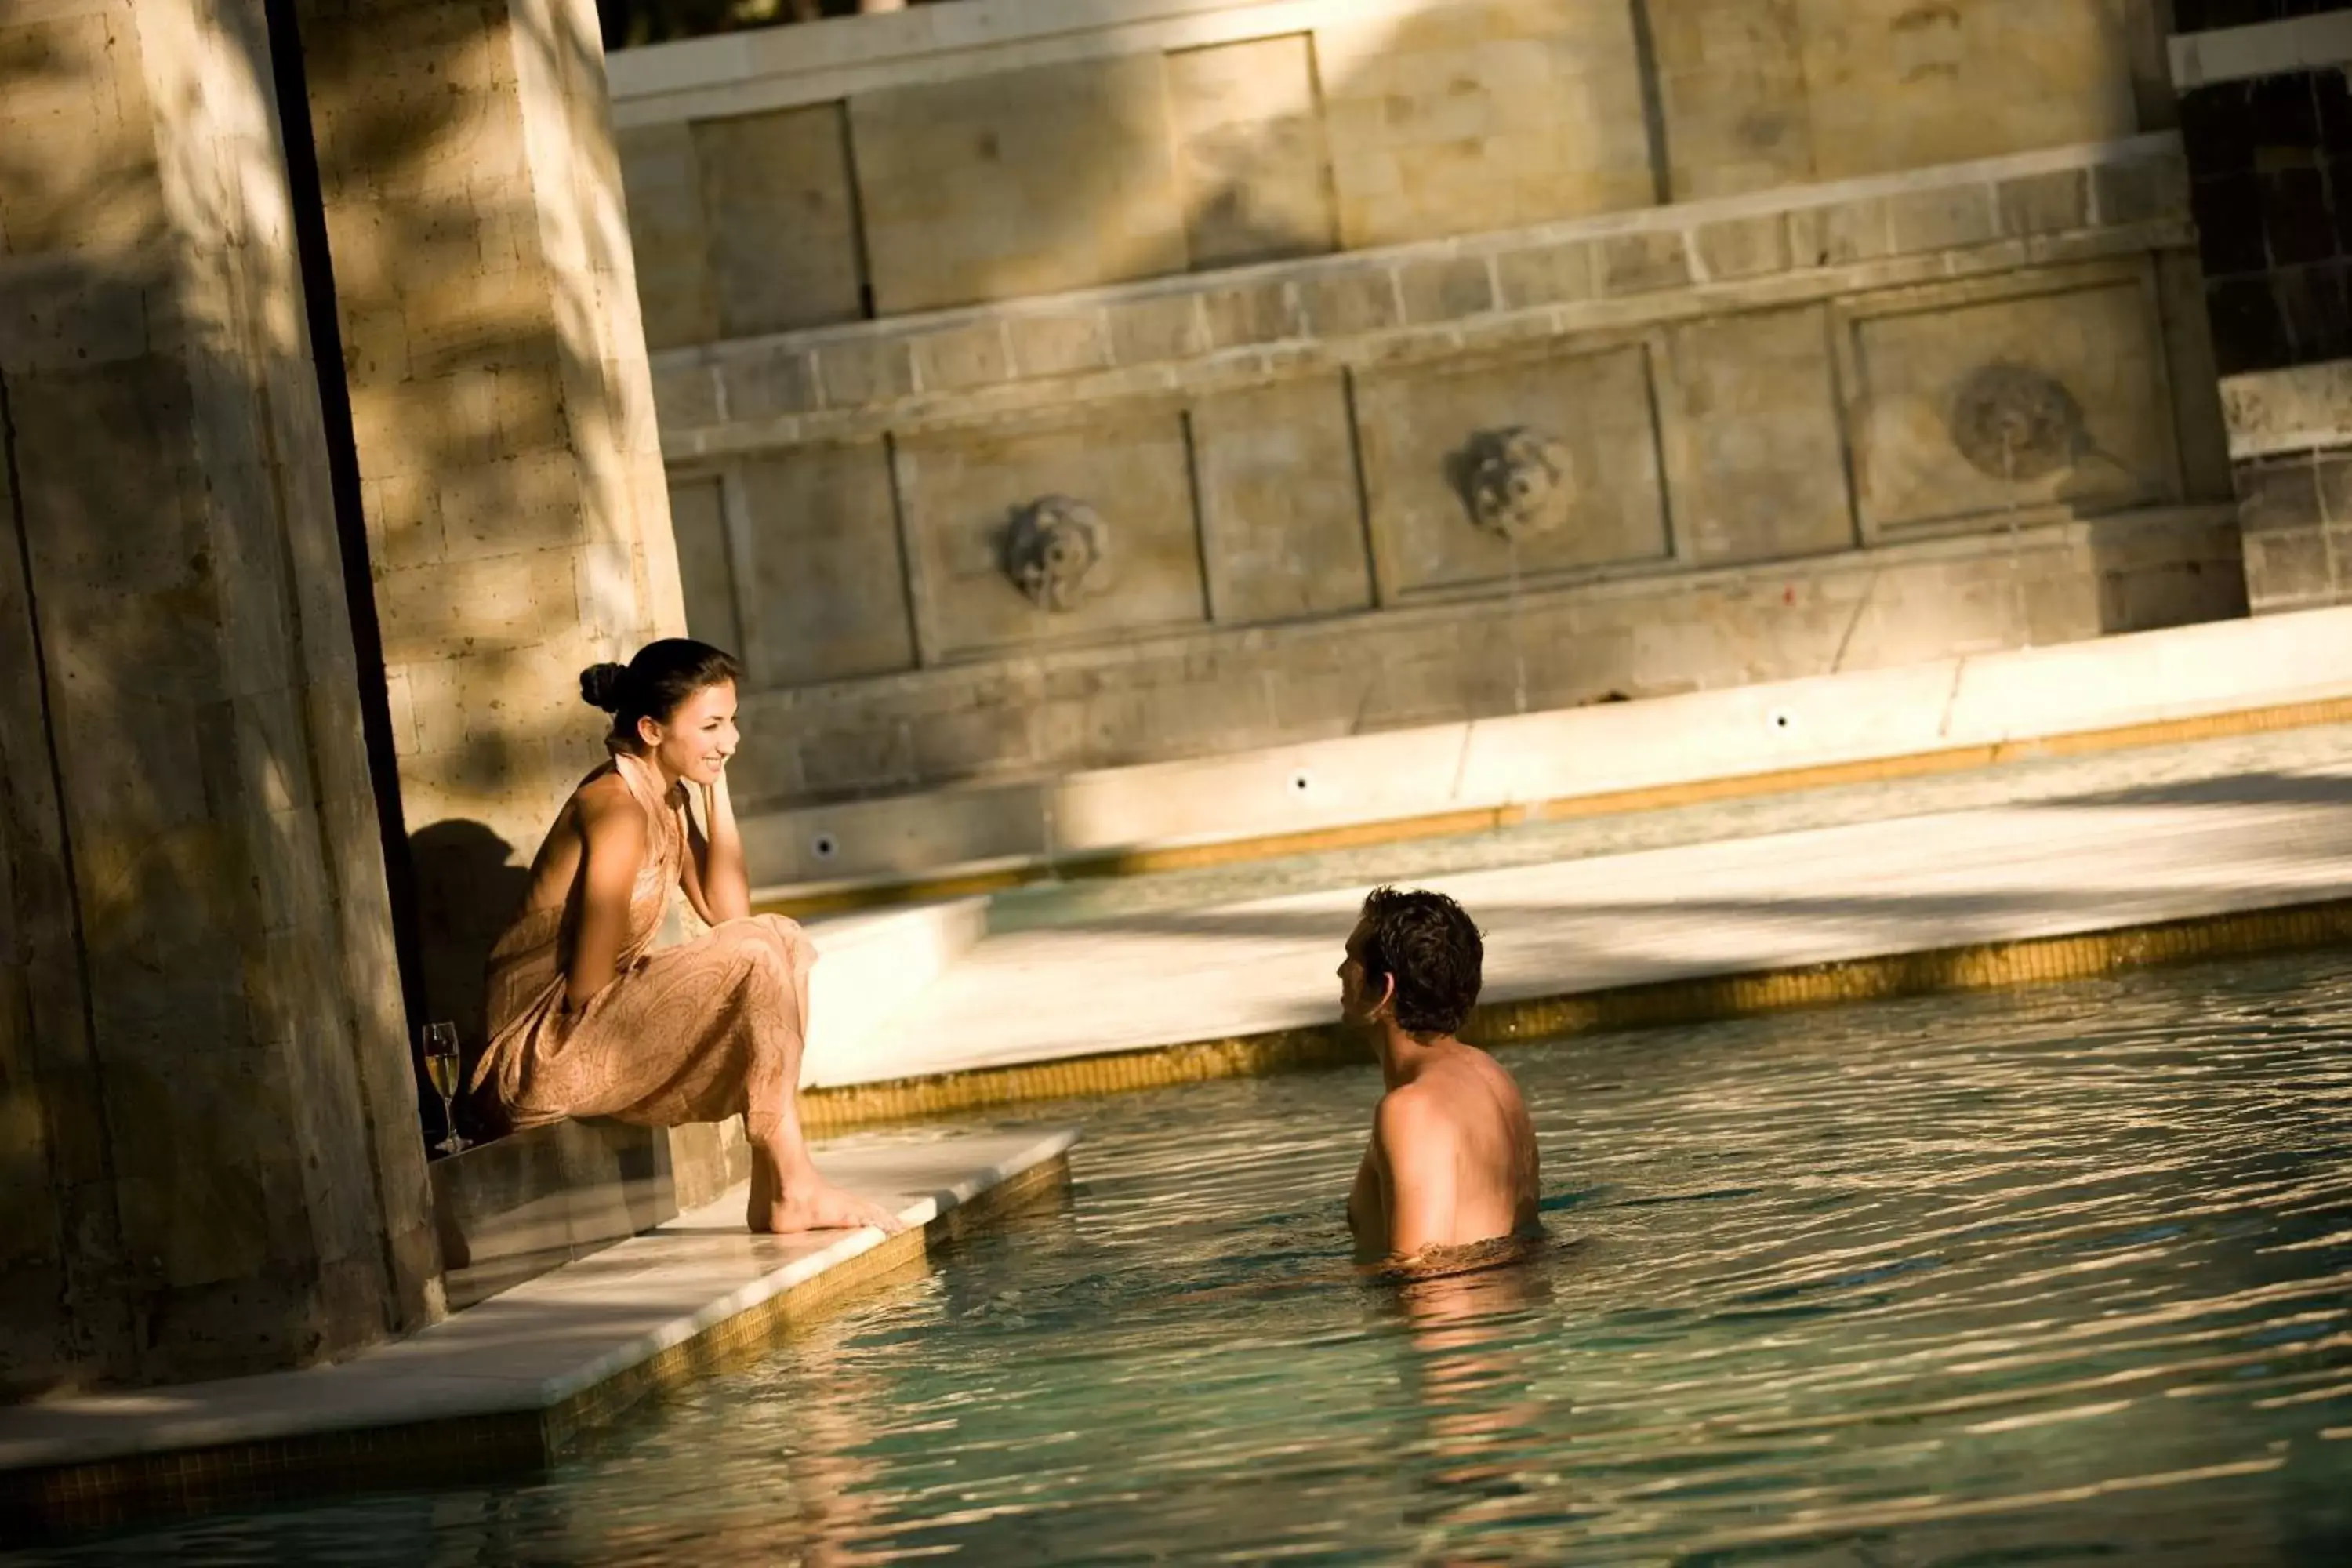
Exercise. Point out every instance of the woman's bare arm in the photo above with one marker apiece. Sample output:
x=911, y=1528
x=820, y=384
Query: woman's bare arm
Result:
x=613, y=849
x=726, y=883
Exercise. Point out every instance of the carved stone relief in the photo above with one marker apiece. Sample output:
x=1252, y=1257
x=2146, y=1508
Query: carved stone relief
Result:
x=1517, y=482
x=1055, y=552
x=2019, y=425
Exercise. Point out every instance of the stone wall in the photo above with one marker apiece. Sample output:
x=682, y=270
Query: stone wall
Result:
x=209, y=1161
x=1402, y=363
x=1810, y=382
x=1000, y=149
x=517, y=520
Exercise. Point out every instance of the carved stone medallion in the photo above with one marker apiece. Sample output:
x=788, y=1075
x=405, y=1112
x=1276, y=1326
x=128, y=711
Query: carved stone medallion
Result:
x=1517, y=482
x=2018, y=425
x=1055, y=552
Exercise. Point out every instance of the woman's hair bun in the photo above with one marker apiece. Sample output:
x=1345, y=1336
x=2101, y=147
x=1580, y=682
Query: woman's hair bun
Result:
x=601, y=686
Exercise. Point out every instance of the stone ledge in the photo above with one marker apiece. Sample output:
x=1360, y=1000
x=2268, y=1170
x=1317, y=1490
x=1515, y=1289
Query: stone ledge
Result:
x=1620, y=271
x=1488, y=773
x=508, y=1383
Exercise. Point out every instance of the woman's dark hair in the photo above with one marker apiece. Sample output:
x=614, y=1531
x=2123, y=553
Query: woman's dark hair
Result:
x=653, y=685
x=1428, y=943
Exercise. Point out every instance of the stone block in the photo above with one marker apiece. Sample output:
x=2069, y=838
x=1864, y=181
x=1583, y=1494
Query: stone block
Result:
x=1893, y=85
x=1062, y=343
x=697, y=515
x=1281, y=512
x=1756, y=451
x=1560, y=273
x=1420, y=430
x=1447, y=289
x=2054, y=202
x=772, y=383
x=668, y=235
x=1156, y=328
x=1249, y=147
x=1943, y=218
x=1733, y=248
x=2144, y=191
x=1341, y=303
x=962, y=490
x=783, y=219
x=2290, y=571
x=1840, y=235
x=2279, y=498
x=824, y=590
x=1643, y=262
x=1026, y=181
x=1483, y=115
x=868, y=369
x=1731, y=85
x=957, y=359
x=2080, y=367
x=1250, y=313
x=686, y=397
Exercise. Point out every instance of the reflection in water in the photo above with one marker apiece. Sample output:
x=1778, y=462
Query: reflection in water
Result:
x=1470, y=1378
x=2064, y=1275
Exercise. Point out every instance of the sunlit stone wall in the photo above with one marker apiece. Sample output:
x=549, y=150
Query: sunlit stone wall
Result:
x=518, y=524
x=1316, y=368
x=209, y=1161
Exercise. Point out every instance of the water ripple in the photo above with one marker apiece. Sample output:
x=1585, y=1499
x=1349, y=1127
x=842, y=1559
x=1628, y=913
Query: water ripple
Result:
x=2048, y=1277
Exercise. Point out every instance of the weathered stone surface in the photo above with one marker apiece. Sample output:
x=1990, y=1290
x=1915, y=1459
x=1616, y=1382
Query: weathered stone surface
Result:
x=1281, y=512
x=697, y=515
x=1419, y=428
x=1756, y=453
x=2096, y=341
x=781, y=221
x=1486, y=115
x=1249, y=148
x=960, y=492
x=1224, y=690
x=223, y=1113
x=1891, y=84
x=669, y=234
x=1028, y=182
x=822, y=593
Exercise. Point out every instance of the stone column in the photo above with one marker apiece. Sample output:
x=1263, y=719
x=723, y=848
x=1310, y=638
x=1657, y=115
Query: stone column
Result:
x=516, y=511
x=209, y=1159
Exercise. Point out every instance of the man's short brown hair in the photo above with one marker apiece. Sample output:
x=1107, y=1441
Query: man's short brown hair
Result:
x=1427, y=942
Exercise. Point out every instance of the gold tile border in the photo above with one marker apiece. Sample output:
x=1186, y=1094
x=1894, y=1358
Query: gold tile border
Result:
x=1652, y=797
x=43, y=1505
x=1975, y=967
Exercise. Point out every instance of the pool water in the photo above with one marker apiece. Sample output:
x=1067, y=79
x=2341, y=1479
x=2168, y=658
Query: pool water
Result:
x=2054, y=1277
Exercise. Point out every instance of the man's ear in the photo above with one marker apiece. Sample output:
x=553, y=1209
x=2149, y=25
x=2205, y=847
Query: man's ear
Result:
x=1388, y=994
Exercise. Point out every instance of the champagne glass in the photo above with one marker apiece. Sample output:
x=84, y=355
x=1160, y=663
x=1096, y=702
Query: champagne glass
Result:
x=442, y=1066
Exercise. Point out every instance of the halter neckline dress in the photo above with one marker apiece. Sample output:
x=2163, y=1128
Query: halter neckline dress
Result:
x=694, y=1032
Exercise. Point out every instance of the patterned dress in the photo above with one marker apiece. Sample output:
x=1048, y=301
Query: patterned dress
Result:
x=696, y=1032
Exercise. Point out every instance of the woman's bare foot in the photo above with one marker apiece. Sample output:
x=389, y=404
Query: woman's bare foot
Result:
x=817, y=1207
x=808, y=1203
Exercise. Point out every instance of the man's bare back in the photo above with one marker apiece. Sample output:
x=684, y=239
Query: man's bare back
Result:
x=1452, y=1159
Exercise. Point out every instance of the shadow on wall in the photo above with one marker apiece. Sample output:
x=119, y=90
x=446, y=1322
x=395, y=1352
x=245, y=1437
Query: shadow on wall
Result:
x=467, y=889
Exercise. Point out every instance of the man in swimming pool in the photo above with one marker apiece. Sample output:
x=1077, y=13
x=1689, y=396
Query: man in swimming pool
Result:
x=1452, y=1157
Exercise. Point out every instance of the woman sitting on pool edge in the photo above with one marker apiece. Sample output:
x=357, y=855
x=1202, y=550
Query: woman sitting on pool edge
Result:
x=587, y=1020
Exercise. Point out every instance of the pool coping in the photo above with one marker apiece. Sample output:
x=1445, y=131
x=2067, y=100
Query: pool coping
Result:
x=1683, y=1000
x=410, y=1413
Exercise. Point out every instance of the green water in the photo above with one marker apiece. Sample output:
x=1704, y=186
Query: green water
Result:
x=2063, y=1276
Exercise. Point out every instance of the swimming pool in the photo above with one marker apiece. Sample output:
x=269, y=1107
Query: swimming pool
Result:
x=2048, y=1276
